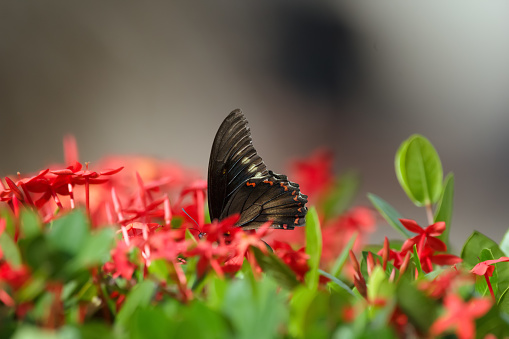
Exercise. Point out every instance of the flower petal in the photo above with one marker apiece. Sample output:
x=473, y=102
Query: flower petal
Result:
x=437, y=244
x=445, y=259
x=412, y=226
x=436, y=229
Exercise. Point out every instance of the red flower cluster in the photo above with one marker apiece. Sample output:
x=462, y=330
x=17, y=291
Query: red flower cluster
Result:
x=159, y=212
x=427, y=245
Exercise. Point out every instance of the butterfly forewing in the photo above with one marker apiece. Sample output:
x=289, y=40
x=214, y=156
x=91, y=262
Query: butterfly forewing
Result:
x=233, y=160
x=238, y=182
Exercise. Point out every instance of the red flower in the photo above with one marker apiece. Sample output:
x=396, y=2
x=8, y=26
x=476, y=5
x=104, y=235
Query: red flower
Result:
x=296, y=260
x=314, y=174
x=460, y=316
x=486, y=269
x=427, y=258
x=14, y=277
x=120, y=264
x=425, y=238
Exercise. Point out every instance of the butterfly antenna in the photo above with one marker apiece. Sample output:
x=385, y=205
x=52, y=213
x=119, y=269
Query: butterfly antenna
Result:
x=191, y=218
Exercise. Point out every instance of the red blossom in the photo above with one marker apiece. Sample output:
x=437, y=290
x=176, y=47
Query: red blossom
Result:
x=460, y=316
x=120, y=264
x=314, y=174
x=428, y=257
x=486, y=269
x=14, y=277
x=296, y=260
x=426, y=236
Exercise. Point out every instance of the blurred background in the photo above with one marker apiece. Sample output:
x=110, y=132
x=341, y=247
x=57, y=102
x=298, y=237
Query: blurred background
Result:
x=157, y=78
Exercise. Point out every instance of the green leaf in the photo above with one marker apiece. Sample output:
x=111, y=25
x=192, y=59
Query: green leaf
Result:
x=503, y=302
x=10, y=250
x=69, y=232
x=199, y=321
x=417, y=261
x=445, y=207
x=504, y=244
x=419, y=170
x=342, y=194
x=390, y=214
x=139, y=296
x=30, y=224
x=151, y=323
x=472, y=250
x=340, y=261
x=299, y=306
x=95, y=249
x=255, y=310
x=421, y=310
x=481, y=286
x=276, y=268
x=313, y=247
x=160, y=269
x=379, y=285
x=338, y=282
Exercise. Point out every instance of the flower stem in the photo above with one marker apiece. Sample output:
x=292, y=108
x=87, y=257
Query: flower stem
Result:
x=490, y=288
x=429, y=213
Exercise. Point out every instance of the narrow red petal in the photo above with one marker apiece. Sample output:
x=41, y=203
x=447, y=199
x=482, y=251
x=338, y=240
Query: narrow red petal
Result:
x=436, y=229
x=412, y=226
x=437, y=244
x=445, y=259
x=111, y=171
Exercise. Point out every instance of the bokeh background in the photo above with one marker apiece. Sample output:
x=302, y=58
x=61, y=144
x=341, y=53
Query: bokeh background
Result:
x=158, y=77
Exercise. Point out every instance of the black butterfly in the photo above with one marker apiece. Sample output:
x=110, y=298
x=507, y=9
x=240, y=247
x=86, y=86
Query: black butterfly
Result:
x=239, y=182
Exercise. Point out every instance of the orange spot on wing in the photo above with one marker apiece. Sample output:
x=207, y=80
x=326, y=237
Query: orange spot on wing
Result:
x=296, y=198
x=296, y=222
x=268, y=182
x=299, y=209
x=294, y=192
x=283, y=185
x=250, y=184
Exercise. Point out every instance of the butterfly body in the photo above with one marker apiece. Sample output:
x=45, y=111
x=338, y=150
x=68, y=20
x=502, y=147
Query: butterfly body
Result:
x=239, y=182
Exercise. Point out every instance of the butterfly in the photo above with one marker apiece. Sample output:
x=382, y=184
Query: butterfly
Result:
x=239, y=182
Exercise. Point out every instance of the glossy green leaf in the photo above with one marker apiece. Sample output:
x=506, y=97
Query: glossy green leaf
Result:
x=69, y=232
x=472, y=250
x=338, y=282
x=445, y=207
x=10, y=250
x=139, y=296
x=379, y=285
x=148, y=322
x=503, y=302
x=200, y=321
x=313, y=247
x=341, y=195
x=96, y=250
x=256, y=311
x=340, y=261
x=504, y=244
x=299, y=306
x=390, y=214
x=277, y=269
x=30, y=224
x=421, y=310
x=417, y=261
x=419, y=170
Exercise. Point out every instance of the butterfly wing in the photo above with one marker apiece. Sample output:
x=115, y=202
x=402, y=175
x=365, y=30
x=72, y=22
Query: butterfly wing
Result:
x=233, y=160
x=270, y=198
x=239, y=182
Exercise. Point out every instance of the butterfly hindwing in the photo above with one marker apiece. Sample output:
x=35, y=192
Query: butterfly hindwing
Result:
x=239, y=182
x=273, y=198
